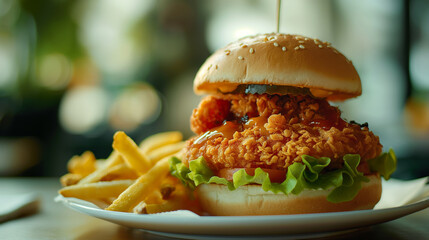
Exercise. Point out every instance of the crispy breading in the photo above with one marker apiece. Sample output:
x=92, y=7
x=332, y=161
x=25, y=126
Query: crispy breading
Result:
x=210, y=113
x=213, y=110
x=295, y=125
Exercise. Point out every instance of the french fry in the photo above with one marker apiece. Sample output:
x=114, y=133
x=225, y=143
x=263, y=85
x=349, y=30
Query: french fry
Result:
x=158, y=140
x=165, y=151
x=99, y=163
x=140, y=208
x=149, y=206
x=141, y=188
x=147, y=188
x=168, y=186
x=154, y=197
x=96, y=190
x=99, y=173
x=167, y=206
x=130, y=152
x=83, y=165
x=120, y=171
x=178, y=199
x=70, y=179
x=158, y=196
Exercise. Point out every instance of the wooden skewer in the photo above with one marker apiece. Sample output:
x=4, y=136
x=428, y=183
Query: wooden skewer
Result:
x=278, y=15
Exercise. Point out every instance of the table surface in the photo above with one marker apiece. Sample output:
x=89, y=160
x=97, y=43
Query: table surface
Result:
x=55, y=221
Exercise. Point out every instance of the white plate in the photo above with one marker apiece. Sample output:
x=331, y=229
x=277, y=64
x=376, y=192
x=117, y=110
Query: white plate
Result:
x=295, y=226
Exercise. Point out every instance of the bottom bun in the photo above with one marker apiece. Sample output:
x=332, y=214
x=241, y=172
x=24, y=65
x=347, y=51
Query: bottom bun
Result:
x=252, y=200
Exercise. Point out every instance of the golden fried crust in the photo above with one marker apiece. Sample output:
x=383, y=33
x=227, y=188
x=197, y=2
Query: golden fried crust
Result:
x=284, y=138
x=210, y=113
x=212, y=110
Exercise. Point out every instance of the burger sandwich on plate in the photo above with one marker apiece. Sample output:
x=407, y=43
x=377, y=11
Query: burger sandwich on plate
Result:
x=267, y=139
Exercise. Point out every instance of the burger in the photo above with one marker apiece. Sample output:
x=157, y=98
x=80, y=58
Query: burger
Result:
x=269, y=142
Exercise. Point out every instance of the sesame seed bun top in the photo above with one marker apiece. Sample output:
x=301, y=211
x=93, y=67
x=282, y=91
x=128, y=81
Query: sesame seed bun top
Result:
x=281, y=60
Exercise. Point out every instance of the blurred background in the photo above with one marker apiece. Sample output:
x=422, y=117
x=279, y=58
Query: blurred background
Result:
x=74, y=72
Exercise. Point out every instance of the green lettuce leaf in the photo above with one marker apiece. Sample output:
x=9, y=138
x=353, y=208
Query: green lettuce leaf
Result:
x=344, y=183
x=179, y=170
x=385, y=164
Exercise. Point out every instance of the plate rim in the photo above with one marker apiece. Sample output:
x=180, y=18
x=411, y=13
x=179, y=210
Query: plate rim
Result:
x=237, y=225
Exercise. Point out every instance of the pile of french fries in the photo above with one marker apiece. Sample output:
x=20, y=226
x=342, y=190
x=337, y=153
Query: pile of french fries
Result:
x=133, y=178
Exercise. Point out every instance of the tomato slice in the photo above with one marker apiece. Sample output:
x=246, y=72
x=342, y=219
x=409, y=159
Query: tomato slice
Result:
x=275, y=175
x=364, y=167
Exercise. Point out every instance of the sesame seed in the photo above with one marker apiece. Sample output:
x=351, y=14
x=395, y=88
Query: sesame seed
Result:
x=301, y=46
x=316, y=41
x=305, y=39
x=271, y=38
x=244, y=46
x=227, y=52
x=240, y=58
x=251, y=50
x=209, y=67
x=284, y=49
x=217, y=66
x=276, y=44
x=296, y=48
x=265, y=39
x=320, y=46
x=301, y=41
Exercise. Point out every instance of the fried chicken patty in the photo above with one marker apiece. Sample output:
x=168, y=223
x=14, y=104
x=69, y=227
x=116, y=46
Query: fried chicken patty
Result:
x=272, y=131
